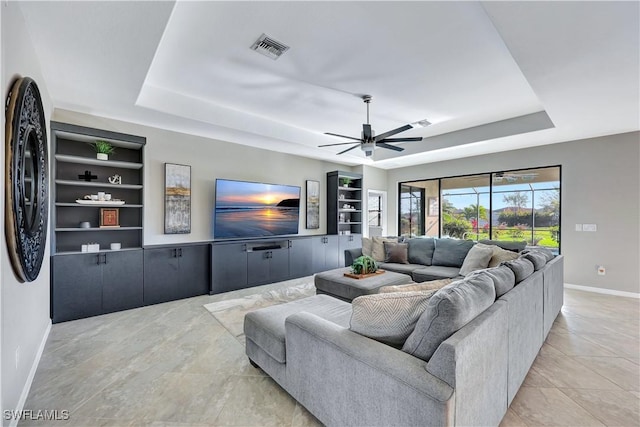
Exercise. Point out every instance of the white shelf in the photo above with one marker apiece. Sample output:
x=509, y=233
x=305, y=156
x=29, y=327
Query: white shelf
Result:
x=350, y=188
x=95, y=162
x=97, y=229
x=349, y=210
x=78, y=205
x=349, y=223
x=350, y=200
x=97, y=184
x=102, y=251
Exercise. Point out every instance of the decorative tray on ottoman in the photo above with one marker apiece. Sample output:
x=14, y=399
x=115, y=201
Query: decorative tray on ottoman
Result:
x=363, y=276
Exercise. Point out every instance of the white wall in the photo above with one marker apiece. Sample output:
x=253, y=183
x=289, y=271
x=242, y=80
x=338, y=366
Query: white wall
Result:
x=600, y=184
x=24, y=309
x=209, y=159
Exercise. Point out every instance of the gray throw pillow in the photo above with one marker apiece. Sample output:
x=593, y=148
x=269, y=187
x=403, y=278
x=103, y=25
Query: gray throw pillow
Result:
x=537, y=258
x=477, y=258
x=501, y=255
x=377, y=247
x=390, y=317
x=421, y=250
x=448, y=310
x=503, y=278
x=504, y=244
x=521, y=267
x=451, y=252
x=545, y=251
x=396, y=252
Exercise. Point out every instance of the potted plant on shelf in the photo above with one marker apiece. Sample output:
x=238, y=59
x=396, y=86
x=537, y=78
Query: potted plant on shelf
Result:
x=345, y=182
x=103, y=149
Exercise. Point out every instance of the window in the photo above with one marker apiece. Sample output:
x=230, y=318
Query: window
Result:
x=374, y=208
x=510, y=205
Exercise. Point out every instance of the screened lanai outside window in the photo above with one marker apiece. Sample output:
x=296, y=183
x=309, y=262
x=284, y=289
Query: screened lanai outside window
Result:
x=465, y=207
x=411, y=210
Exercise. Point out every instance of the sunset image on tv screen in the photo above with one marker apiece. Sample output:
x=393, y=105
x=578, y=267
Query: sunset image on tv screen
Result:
x=251, y=209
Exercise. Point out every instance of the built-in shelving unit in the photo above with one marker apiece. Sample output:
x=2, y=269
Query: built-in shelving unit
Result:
x=73, y=156
x=344, y=203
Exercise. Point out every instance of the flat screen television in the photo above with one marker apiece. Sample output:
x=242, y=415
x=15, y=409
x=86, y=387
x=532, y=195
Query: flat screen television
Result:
x=253, y=209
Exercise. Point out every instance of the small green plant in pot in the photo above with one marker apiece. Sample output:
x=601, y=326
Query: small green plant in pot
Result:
x=364, y=265
x=103, y=149
x=345, y=182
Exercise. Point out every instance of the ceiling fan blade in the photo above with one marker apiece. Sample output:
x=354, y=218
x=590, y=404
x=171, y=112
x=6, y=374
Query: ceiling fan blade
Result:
x=393, y=132
x=390, y=147
x=339, y=143
x=343, y=136
x=348, y=149
x=366, y=132
x=401, y=139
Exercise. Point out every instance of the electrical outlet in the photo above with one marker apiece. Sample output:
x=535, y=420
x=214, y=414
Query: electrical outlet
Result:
x=589, y=227
x=601, y=270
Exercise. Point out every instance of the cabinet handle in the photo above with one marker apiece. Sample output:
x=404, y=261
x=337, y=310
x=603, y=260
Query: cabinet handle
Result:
x=105, y=259
x=175, y=253
x=180, y=252
x=98, y=258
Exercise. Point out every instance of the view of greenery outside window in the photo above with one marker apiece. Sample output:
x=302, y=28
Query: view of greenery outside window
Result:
x=514, y=205
x=411, y=211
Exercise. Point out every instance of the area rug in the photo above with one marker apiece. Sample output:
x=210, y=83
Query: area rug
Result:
x=230, y=313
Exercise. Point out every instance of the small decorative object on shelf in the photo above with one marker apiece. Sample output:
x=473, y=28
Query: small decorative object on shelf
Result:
x=90, y=247
x=87, y=176
x=109, y=217
x=345, y=182
x=116, y=246
x=103, y=149
x=363, y=267
x=85, y=224
x=115, y=179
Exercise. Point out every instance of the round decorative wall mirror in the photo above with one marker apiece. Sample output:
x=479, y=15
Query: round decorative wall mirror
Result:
x=26, y=179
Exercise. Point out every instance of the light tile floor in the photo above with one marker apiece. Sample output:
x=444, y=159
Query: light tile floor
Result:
x=173, y=364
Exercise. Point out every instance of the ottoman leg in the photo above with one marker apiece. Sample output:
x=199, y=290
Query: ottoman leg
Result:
x=254, y=364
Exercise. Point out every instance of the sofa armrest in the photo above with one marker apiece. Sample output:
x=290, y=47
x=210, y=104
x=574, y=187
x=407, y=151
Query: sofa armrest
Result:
x=342, y=377
x=350, y=255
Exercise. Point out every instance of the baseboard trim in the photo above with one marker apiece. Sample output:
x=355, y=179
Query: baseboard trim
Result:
x=32, y=374
x=602, y=291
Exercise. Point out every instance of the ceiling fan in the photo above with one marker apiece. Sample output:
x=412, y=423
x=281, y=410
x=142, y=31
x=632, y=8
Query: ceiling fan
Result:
x=369, y=141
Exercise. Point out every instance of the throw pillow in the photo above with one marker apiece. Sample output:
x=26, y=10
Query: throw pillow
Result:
x=367, y=245
x=377, y=248
x=396, y=252
x=388, y=318
x=477, y=258
x=501, y=255
x=508, y=245
x=432, y=285
x=537, y=259
x=503, y=278
x=521, y=267
x=545, y=251
x=421, y=250
x=451, y=252
x=448, y=310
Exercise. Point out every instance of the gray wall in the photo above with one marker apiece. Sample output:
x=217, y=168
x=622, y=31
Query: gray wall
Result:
x=24, y=308
x=600, y=185
x=209, y=159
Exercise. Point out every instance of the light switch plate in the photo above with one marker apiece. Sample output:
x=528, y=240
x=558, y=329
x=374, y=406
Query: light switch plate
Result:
x=589, y=227
x=578, y=227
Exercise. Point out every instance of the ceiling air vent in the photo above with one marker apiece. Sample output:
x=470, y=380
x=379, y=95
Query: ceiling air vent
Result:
x=269, y=47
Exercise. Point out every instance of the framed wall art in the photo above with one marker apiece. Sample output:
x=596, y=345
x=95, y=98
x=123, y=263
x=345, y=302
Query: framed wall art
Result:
x=313, y=204
x=177, y=199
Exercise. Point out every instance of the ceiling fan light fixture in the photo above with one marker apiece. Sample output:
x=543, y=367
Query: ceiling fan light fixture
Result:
x=420, y=124
x=368, y=148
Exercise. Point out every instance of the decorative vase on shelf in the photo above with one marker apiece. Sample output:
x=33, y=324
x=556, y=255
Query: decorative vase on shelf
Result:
x=102, y=156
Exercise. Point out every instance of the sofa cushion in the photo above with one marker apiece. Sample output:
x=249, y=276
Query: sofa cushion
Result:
x=504, y=279
x=537, y=259
x=504, y=244
x=432, y=285
x=501, y=255
x=545, y=251
x=451, y=252
x=521, y=267
x=421, y=250
x=396, y=252
x=399, y=268
x=434, y=272
x=389, y=317
x=448, y=310
x=377, y=247
x=477, y=258
x=367, y=246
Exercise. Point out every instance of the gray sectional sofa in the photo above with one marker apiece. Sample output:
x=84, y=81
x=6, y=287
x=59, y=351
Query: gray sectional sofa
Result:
x=463, y=363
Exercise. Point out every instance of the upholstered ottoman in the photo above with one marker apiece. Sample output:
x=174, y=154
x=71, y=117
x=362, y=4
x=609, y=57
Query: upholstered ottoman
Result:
x=265, y=333
x=336, y=284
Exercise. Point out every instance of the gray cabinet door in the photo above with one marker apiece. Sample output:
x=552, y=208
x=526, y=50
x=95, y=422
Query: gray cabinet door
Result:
x=332, y=258
x=300, y=258
x=229, y=267
x=194, y=270
x=278, y=265
x=351, y=241
x=258, y=267
x=122, y=281
x=161, y=275
x=76, y=288
x=318, y=249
